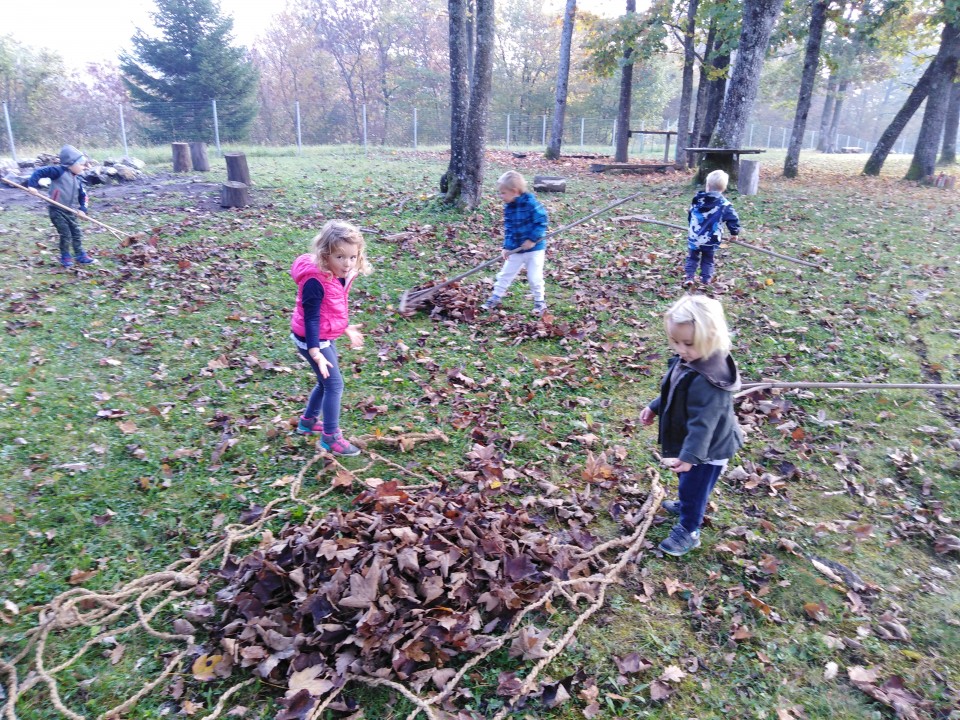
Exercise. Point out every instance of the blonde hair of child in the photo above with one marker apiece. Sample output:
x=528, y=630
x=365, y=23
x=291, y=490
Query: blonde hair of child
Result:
x=334, y=235
x=512, y=180
x=717, y=181
x=710, y=332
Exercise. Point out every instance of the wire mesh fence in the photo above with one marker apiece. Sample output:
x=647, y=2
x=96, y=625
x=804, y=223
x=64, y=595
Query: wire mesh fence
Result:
x=309, y=123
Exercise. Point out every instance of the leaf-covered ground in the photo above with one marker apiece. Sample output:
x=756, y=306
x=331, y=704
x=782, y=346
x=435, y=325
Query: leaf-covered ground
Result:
x=149, y=402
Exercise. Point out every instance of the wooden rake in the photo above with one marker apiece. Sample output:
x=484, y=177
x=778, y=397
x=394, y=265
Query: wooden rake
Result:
x=119, y=235
x=412, y=300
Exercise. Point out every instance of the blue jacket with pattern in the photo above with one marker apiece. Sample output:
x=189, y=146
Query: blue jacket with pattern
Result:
x=707, y=211
x=524, y=219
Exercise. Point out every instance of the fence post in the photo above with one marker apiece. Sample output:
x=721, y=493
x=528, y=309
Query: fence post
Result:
x=783, y=140
x=769, y=136
x=364, y=128
x=414, y=128
x=216, y=127
x=508, y=131
x=613, y=138
x=299, y=141
x=750, y=139
x=123, y=131
x=544, y=140
x=581, y=129
x=6, y=116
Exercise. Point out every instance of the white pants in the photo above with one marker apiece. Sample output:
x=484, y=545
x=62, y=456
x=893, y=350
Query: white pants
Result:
x=533, y=262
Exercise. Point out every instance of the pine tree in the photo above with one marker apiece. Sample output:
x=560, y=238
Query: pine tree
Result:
x=192, y=62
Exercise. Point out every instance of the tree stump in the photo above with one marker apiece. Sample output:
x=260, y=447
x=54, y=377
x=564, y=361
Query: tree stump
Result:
x=237, y=170
x=549, y=183
x=198, y=156
x=749, y=181
x=181, y=156
x=234, y=194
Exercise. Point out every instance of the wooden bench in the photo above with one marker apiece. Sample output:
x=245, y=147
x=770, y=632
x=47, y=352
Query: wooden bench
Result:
x=726, y=159
x=666, y=147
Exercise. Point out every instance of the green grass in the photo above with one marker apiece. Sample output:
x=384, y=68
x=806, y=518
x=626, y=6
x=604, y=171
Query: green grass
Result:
x=139, y=342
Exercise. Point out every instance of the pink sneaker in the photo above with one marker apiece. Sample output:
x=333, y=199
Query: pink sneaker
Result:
x=338, y=444
x=309, y=426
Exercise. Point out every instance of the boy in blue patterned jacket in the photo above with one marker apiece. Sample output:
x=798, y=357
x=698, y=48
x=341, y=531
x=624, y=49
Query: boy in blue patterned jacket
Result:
x=66, y=188
x=524, y=244
x=708, y=210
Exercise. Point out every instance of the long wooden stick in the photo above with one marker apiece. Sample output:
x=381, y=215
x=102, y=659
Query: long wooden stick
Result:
x=755, y=386
x=641, y=218
x=411, y=297
x=119, y=234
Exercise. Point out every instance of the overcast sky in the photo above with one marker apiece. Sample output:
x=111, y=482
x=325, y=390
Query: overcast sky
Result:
x=83, y=31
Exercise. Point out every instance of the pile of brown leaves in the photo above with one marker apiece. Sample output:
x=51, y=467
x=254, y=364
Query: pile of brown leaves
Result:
x=396, y=589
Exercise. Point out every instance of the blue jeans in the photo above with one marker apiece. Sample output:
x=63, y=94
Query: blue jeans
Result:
x=68, y=229
x=325, y=399
x=695, y=487
x=702, y=256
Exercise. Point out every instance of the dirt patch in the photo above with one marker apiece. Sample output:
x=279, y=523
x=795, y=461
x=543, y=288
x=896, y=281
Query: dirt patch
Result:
x=179, y=191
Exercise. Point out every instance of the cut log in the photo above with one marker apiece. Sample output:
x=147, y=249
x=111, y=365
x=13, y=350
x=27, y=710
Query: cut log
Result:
x=549, y=183
x=622, y=167
x=181, y=156
x=198, y=156
x=749, y=181
x=234, y=194
x=237, y=170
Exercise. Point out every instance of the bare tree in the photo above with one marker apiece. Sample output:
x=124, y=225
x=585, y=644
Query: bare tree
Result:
x=464, y=178
x=826, y=115
x=563, y=76
x=811, y=60
x=626, y=90
x=686, y=86
x=934, y=116
x=948, y=153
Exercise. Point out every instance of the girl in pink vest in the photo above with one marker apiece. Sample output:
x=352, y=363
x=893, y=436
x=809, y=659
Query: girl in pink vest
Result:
x=323, y=277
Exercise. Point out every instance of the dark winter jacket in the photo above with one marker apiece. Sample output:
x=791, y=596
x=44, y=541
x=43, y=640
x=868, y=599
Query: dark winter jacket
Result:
x=65, y=187
x=707, y=211
x=524, y=219
x=697, y=422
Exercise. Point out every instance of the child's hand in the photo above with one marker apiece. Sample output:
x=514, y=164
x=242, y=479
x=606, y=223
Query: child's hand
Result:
x=676, y=464
x=355, y=336
x=527, y=244
x=321, y=362
x=647, y=416
x=82, y=215
x=505, y=254
x=34, y=191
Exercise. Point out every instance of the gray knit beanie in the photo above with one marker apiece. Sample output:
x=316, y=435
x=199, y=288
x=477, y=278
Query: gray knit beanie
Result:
x=70, y=155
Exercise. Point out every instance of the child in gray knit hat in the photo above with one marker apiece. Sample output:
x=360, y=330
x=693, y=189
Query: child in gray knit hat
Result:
x=66, y=188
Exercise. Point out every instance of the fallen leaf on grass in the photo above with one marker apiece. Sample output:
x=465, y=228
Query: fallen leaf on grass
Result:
x=947, y=543
x=830, y=670
x=529, y=644
x=816, y=611
x=80, y=576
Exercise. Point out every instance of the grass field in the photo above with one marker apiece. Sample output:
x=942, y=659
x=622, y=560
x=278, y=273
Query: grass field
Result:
x=149, y=403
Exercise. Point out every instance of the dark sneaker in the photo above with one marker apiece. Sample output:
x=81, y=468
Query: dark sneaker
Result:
x=680, y=542
x=66, y=261
x=492, y=303
x=539, y=308
x=671, y=506
x=309, y=426
x=338, y=445
x=688, y=284
x=84, y=259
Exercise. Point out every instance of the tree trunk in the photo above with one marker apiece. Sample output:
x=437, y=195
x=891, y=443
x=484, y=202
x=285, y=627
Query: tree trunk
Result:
x=471, y=180
x=237, y=169
x=948, y=153
x=563, y=76
x=181, y=156
x=827, y=114
x=949, y=40
x=470, y=16
x=702, y=85
x=459, y=97
x=758, y=19
x=934, y=117
x=198, y=156
x=716, y=92
x=840, y=96
x=626, y=91
x=234, y=194
x=686, y=86
x=811, y=60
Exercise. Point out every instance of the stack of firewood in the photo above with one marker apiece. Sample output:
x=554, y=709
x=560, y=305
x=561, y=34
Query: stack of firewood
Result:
x=125, y=169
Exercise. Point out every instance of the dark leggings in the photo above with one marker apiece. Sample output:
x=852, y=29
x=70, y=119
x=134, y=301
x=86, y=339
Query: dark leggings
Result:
x=68, y=229
x=696, y=484
x=325, y=399
x=702, y=256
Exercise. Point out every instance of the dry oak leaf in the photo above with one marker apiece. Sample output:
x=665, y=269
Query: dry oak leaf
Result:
x=660, y=690
x=80, y=576
x=529, y=644
x=858, y=674
x=672, y=673
x=363, y=588
x=816, y=611
x=311, y=680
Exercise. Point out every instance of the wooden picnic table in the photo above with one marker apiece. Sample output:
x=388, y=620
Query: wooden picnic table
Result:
x=666, y=147
x=726, y=159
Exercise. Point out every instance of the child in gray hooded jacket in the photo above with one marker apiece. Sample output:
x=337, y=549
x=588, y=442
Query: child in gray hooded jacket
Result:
x=698, y=427
x=66, y=188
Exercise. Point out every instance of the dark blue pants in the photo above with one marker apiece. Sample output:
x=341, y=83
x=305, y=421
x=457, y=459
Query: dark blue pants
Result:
x=69, y=230
x=702, y=256
x=325, y=399
x=695, y=487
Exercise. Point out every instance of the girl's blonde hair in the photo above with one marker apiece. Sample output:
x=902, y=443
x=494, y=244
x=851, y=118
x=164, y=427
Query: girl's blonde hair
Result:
x=334, y=235
x=512, y=180
x=710, y=332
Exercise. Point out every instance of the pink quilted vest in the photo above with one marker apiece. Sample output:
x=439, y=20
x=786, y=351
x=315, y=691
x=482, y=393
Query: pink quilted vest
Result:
x=334, y=315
